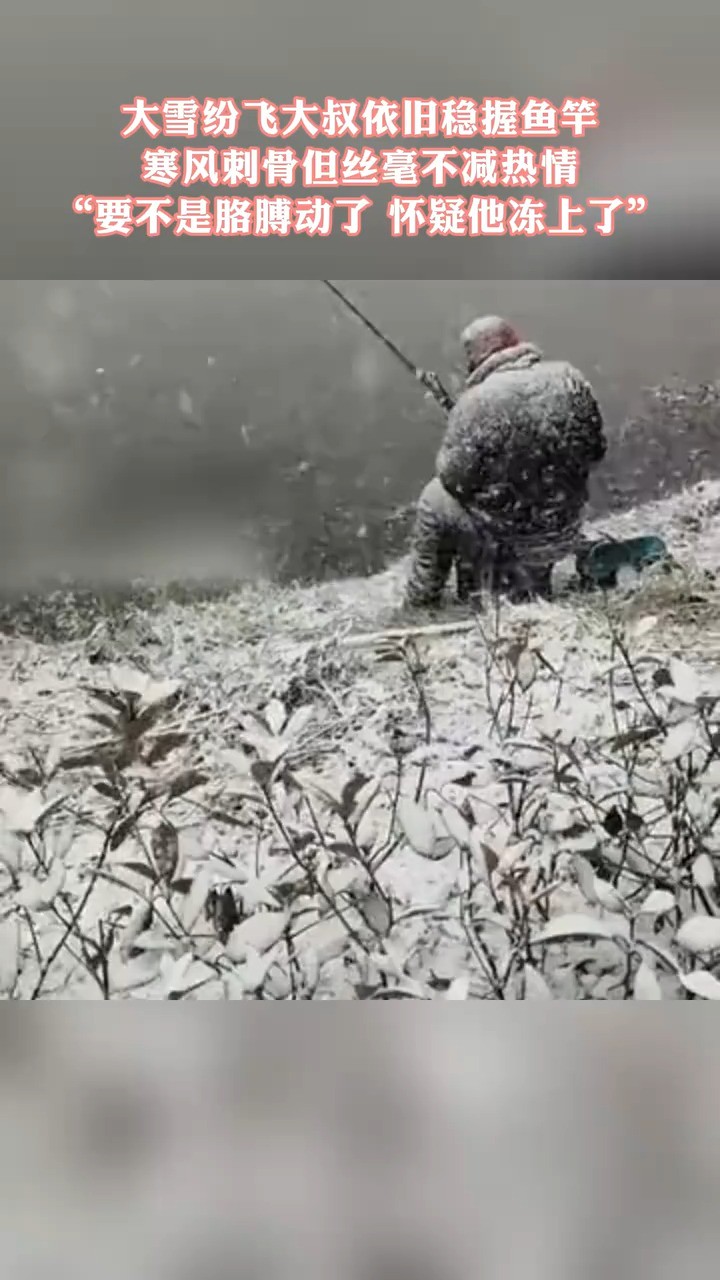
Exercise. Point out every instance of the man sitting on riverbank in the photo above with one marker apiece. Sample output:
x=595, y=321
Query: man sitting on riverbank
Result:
x=512, y=472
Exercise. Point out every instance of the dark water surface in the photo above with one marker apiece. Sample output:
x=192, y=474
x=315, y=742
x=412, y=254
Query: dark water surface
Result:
x=204, y=429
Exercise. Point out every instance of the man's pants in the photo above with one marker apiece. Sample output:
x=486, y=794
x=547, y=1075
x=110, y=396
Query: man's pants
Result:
x=446, y=534
x=521, y=582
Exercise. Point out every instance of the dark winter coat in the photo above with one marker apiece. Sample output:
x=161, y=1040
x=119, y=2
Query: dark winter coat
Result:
x=520, y=444
x=512, y=476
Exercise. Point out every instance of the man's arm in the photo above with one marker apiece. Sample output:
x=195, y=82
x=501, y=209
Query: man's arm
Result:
x=589, y=415
x=456, y=462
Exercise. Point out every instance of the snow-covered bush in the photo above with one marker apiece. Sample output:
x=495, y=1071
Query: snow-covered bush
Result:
x=495, y=814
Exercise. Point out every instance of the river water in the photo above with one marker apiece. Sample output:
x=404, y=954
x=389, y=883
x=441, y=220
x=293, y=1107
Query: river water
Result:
x=204, y=429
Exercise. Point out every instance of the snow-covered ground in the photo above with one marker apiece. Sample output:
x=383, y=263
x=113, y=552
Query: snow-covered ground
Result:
x=431, y=784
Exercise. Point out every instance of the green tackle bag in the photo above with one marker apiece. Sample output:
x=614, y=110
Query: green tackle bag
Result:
x=599, y=563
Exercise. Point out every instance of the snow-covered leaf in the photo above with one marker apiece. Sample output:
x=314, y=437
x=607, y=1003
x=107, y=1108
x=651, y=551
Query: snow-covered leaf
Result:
x=455, y=825
x=575, y=925
x=646, y=985
x=344, y=879
x=391, y=960
x=309, y=782
x=275, y=715
x=138, y=922
x=133, y=975
x=561, y=818
x=644, y=626
x=417, y=824
x=711, y=776
x=363, y=800
x=376, y=913
x=367, y=828
x=12, y=848
x=233, y=986
x=39, y=895
x=679, y=741
x=326, y=941
x=258, y=933
x=701, y=983
x=526, y=669
x=257, y=891
x=606, y=895
x=511, y=855
x=459, y=988
x=485, y=859
x=254, y=970
x=181, y=974
x=10, y=950
x=703, y=871
x=699, y=934
x=698, y=804
x=585, y=878
x=154, y=940
x=534, y=985
x=194, y=904
x=658, y=903
x=418, y=827
x=24, y=810
x=158, y=692
x=237, y=762
x=128, y=680
x=685, y=686
x=52, y=759
x=298, y=723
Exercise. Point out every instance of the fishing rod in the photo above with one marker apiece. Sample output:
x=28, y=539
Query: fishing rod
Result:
x=430, y=381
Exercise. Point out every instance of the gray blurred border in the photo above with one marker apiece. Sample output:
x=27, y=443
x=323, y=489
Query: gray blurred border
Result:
x=440, y=1146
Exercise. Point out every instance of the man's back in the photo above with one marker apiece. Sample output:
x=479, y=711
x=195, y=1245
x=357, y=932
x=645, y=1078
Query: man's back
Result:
x=516, y=457
x=522, y=436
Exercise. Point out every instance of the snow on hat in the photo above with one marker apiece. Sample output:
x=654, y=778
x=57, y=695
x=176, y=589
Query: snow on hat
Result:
x=485, y=336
